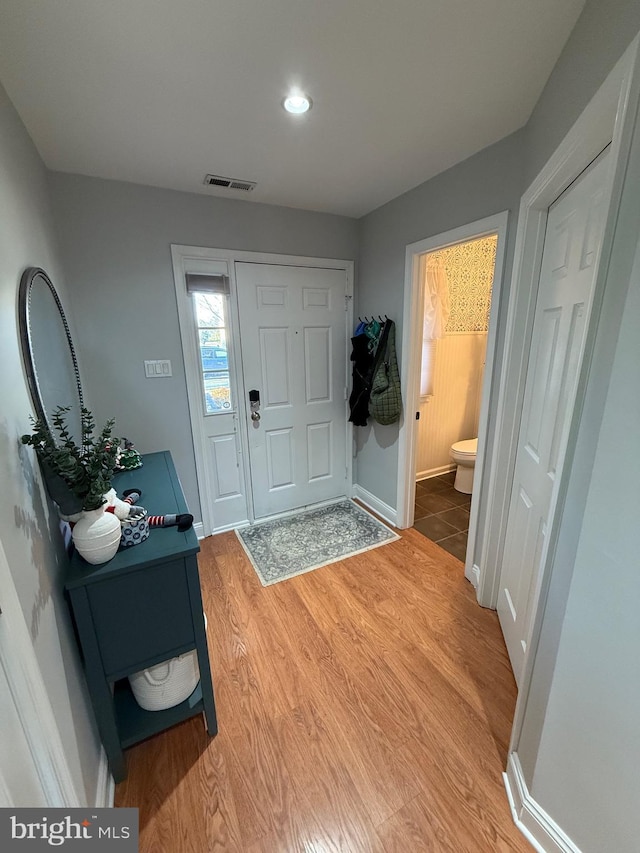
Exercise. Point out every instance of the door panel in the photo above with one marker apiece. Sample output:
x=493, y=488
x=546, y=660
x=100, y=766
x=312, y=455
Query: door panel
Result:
x=226, y=472
x=319, y=446
x=541, y=383
x=275, y=358
x=279, y=447
x=567, y=278
x=317, y=361
x=293, y=331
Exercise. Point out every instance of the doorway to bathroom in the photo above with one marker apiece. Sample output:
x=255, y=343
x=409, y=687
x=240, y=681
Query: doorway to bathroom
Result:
x=456, y=284
x=452, y=300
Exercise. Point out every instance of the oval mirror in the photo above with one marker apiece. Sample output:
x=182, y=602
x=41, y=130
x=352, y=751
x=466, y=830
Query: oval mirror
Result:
x=48, y=351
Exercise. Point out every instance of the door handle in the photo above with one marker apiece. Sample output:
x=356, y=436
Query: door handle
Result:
x=254, y=404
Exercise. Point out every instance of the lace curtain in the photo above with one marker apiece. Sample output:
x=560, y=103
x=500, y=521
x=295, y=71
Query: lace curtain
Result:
x=436, y=308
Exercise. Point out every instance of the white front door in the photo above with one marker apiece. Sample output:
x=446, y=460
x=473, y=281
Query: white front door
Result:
x=567, y=278
x=293, y=332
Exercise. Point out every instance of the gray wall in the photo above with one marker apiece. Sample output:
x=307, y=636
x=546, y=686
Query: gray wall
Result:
x=487, y=183
x=115, y=240
x=28, y=522
x=601, y=35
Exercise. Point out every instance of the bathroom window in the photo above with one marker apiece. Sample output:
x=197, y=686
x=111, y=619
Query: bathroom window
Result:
x=435, y=312
x=457, y=285
x=426, y=370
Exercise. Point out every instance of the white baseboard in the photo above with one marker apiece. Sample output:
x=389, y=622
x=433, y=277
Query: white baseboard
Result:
x=435, y=472
x=237, y=525
x=375, y=505
x=106, y=787
x=198, y=529
x=533, y=822
x=473, y=576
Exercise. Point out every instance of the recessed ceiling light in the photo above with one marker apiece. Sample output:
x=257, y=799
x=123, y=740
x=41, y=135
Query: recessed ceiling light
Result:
x=297, y=104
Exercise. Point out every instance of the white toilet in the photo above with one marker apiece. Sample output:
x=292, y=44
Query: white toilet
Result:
x=463, y=454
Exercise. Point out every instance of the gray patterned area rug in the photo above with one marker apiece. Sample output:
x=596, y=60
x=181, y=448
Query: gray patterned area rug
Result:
x=286, y=547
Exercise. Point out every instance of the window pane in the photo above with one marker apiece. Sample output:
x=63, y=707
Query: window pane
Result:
x=214, y=360
x=213, y=349
x=217, y=392
x=210, y=309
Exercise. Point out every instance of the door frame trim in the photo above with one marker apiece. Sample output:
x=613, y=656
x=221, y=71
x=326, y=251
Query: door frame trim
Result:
x=411, y=360
x=32, y=703
x=180, y=254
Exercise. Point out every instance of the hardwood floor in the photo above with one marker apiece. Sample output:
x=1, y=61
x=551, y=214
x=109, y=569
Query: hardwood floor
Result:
x=365, y=706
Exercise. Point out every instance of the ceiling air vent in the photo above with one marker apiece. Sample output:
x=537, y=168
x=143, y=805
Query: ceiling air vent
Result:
x=229, y=183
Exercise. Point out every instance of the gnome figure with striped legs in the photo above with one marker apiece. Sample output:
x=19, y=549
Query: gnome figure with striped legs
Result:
x=181, y=520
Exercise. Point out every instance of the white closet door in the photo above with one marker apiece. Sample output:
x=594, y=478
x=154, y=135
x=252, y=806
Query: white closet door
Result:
x=567, y=279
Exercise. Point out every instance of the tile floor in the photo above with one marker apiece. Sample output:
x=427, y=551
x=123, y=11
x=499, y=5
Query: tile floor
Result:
x=442, y=513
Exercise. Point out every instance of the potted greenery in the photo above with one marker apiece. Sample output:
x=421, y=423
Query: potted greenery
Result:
x=78, y=477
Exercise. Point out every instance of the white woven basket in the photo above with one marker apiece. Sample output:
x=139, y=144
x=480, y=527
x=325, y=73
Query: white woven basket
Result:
x=168, y=683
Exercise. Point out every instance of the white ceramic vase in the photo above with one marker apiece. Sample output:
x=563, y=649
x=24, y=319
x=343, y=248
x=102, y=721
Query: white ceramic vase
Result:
x=97, y=535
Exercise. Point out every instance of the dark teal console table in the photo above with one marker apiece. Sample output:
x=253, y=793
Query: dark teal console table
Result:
x=141, y=608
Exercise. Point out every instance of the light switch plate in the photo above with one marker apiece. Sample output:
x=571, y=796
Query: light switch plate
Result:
x=159, y=368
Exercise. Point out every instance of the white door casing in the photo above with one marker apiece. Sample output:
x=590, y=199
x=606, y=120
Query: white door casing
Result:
x=567, y=279
x=410, y=370
x=293, y=327
x=20, y=783
x=33, y=766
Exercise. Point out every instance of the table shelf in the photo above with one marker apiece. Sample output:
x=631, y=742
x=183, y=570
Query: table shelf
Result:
x=135, y=724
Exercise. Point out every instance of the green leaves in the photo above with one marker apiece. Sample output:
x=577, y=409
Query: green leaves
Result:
x=88, y=469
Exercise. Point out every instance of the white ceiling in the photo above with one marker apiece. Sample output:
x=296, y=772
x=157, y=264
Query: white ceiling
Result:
x=161, y=92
